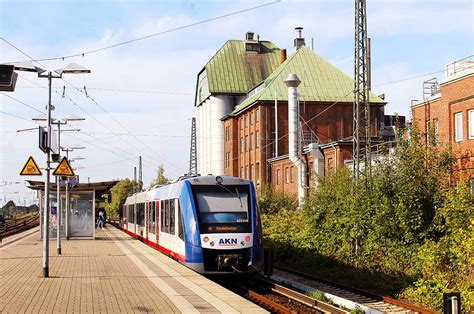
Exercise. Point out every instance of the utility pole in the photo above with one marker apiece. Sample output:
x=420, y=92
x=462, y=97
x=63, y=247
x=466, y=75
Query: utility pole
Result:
x=140, y=174
x=361, y=120
x=193, y=150
x=134, y=179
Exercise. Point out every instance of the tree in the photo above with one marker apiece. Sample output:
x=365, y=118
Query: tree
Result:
x=119, y=193
x=160, y=177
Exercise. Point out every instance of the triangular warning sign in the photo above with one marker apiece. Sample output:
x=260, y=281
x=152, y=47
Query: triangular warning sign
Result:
x=30, y=168
x=64, y=169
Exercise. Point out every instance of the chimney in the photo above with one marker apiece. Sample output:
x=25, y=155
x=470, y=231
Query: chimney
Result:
x=249, y=36
x=299, y=41
x=282, y=55
x=252, y=45
x=293, y=130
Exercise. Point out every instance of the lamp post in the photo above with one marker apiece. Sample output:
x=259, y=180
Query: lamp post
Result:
x=69, y=69
x=59, y=122
x=67, y=150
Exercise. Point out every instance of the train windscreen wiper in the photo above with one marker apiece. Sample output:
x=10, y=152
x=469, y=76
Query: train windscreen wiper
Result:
x=231, y=193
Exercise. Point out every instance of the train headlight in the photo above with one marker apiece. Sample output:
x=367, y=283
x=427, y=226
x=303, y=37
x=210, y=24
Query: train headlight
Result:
x=205, y=239
x=247, y=238
x=212, y=243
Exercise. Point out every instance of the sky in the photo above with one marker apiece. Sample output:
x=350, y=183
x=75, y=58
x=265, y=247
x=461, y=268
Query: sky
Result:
x=138, y=99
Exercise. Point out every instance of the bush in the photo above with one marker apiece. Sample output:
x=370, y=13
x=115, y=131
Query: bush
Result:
x=406, y=225
x=272, y=202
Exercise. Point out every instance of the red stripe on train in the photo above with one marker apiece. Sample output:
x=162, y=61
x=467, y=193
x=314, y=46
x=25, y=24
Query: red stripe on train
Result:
x=162, y=249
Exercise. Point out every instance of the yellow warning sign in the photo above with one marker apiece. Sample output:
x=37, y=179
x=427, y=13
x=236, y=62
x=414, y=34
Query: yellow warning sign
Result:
x=64, y=169
x=30, y=168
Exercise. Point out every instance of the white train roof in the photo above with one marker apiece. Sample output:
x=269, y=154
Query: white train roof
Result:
x=173, y=190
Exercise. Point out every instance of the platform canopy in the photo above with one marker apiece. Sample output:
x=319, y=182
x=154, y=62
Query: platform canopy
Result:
x=100, y=188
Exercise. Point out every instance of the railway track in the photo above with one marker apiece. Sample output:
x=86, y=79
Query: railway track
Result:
x=13, y=226
x=279, y=299
x=347, y=296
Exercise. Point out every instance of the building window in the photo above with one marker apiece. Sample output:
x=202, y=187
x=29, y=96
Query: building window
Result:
x=287, y=175
x=250, y=172
x=247, y=120
x=246, y=142
x=257, y=139
x=247, y=172
x=292, y=174
x=278, y=176
x=435, y=131
x=242, y=145
x=242, y=123
x=251, y=118
x=458, y=134
x=470, y=115
x=251, y=141
x=330, y=165
x=227, y=159
x=257, y=172
x=428, y=132
x=257, y=115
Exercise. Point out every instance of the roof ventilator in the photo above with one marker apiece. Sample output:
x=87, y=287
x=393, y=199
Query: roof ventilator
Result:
x=252, y=45
x=299, y=41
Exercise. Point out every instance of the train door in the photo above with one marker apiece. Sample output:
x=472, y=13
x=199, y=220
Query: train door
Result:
x=157, y=222
x=124, y=222
x=179, y=230
x=165, y=224
x=145, y=234
x=151, y=229
x=135, y=218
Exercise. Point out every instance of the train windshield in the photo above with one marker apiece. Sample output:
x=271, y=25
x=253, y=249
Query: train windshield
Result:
x=223, y=208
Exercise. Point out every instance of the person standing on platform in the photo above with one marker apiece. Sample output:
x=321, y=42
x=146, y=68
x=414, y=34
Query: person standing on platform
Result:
x=101, y=221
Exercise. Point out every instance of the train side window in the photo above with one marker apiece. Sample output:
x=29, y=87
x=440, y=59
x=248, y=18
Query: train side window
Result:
x=131, y=216
x=167, y=216
x=151, y=217
x=162, y=211
x=172, y=217
x=180, y=222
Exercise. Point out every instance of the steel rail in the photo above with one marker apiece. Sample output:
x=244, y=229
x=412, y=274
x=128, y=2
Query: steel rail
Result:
x=403, y=304
x=11, y=227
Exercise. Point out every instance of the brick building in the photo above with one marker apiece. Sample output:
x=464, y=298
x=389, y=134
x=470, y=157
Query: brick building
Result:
x=447, y=113
x=242, y=91
x=256, y=139
x=237, y=67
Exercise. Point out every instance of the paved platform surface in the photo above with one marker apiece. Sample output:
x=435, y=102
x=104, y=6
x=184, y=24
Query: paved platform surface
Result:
x=114, y=273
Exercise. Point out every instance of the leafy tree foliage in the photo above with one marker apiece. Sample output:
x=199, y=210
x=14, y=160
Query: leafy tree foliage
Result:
x=120, y=191
x=160, y=177
x=406, y=223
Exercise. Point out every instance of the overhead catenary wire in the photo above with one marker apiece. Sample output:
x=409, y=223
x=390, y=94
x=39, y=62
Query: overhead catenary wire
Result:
x=154, y=34
x=22, y=102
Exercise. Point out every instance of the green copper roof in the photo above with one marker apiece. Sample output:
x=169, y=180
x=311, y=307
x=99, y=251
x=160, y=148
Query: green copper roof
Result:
x=320, y=81
x=233, y=70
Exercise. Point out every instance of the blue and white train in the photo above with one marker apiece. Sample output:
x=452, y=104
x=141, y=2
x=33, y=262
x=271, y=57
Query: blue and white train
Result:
x=210, y=224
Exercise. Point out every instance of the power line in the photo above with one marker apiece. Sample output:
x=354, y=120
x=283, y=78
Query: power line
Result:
x=139, y=91
x=15, y=116
x=155, y=34
x=415, y=77
x=23, y=103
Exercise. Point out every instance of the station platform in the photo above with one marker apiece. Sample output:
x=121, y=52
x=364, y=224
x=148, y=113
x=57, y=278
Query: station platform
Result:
x=114, y=273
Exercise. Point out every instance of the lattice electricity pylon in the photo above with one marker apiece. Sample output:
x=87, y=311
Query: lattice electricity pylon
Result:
x=193, y=150
x=140, y=172
x=361, y=110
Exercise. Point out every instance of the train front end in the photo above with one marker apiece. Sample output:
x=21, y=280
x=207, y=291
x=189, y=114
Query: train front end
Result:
x=228, y=237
